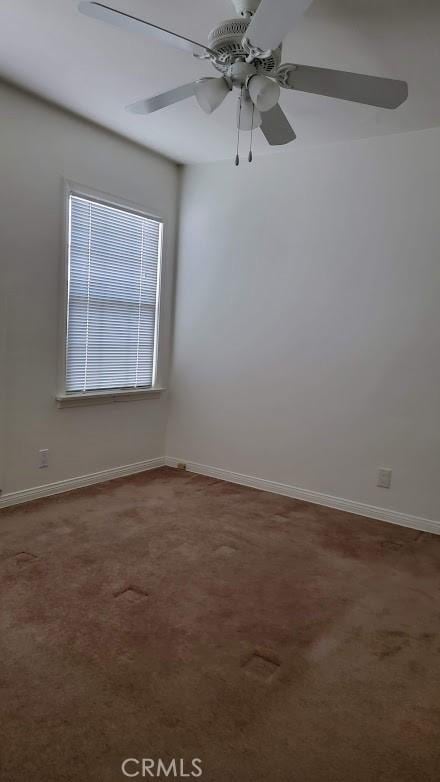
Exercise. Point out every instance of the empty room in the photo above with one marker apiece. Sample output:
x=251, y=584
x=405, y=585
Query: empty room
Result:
x=220, y=390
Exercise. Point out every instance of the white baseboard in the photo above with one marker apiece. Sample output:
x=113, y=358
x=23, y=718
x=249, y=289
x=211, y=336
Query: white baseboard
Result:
x=49, y=489
x=339, y=503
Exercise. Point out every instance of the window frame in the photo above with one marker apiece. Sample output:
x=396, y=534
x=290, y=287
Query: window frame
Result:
x=66, y=398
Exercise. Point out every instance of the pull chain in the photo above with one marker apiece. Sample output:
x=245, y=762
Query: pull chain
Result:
x=252, y=133
x=237, y=156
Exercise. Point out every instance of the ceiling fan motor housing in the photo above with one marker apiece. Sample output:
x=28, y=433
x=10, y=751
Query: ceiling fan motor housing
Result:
x=227, y=39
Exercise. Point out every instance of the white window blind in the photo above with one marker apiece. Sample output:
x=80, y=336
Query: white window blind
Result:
x=114, y=258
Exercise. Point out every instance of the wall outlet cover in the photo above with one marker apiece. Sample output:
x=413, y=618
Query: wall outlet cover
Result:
x=384, y=478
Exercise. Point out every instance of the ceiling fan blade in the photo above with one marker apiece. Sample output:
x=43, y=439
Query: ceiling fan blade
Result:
x=273, y=20
x=163, y=100
x=276, y=127
x=371, y=90
x=131, y=23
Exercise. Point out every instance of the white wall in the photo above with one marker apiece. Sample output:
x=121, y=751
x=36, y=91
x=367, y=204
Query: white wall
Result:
x=307, y=336
x=39, y=147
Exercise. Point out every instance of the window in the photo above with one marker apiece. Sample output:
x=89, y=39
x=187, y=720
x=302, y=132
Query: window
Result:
x=112, y=308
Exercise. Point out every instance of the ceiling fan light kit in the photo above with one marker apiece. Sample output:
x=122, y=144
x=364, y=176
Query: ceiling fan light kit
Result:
x=248, y=116
x=210, y=93
x=264, y=92
x=247, y=51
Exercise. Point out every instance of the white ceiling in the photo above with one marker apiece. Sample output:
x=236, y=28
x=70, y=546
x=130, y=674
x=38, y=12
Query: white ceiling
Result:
x=95, y=69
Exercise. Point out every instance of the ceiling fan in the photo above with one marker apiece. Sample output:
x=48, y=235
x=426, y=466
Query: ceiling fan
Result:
x=246, y=50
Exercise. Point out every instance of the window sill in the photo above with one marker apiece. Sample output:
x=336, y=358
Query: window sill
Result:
x=107, y=397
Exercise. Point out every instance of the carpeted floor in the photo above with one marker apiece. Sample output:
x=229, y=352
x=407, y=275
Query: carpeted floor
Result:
x=170, y=615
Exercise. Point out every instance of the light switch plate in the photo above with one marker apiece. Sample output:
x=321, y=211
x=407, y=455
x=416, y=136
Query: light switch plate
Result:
x=44, y=458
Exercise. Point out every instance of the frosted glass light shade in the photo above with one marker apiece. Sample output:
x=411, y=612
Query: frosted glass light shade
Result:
x=210, y=93
x=264, y=92
x=248, y=118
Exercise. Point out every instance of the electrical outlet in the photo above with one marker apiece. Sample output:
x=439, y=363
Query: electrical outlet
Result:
x=384, y=478
x=44, y=458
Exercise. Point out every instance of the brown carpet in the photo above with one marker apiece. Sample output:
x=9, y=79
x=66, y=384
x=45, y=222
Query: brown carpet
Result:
x=174, y=616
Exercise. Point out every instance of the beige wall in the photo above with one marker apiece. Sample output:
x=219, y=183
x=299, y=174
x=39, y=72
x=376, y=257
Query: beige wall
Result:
x=39, y=148
x=307, y=345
